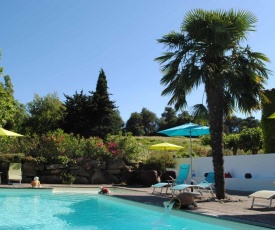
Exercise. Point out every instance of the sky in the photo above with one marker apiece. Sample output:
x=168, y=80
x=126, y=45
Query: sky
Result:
x=59, y=46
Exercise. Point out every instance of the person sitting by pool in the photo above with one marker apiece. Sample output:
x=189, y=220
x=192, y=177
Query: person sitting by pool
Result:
x=103, y=190
x=36, y=183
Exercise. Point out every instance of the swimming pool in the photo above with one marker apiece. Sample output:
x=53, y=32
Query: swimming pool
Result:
x=50, y=209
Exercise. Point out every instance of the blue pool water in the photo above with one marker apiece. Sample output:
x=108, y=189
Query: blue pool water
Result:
x=42, y=209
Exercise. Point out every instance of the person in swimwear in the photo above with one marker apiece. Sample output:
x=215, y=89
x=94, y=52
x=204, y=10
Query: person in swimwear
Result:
x=36, y=183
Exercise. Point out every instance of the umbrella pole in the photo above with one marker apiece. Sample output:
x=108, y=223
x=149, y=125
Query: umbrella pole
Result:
x=191, y=166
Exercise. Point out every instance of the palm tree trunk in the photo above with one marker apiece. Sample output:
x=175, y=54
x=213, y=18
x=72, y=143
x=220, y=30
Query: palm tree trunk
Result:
x=215, y=106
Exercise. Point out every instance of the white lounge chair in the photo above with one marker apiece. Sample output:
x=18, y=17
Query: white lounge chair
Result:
x=15, y=172
x=183, y=173
x=207, y=183
x=263, y=194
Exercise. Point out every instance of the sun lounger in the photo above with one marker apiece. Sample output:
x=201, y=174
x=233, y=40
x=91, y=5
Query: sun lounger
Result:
x=204, y=185
x=263, y=194
x=15, y=173
x=183, y=173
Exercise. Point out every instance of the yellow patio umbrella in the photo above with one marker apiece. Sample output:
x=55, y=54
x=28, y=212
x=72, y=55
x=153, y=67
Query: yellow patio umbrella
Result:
x=272, y=116
x=4, y=132
x=165, y=147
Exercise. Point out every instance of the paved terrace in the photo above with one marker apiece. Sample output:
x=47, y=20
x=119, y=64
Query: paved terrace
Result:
x=237, y=206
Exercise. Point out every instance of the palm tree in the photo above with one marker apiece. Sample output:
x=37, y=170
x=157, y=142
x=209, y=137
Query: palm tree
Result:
x=208, y=51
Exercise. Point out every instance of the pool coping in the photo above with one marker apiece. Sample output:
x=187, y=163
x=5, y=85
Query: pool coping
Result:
x=237, y=210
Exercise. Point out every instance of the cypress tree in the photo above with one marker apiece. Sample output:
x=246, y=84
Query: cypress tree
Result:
x=102, y=108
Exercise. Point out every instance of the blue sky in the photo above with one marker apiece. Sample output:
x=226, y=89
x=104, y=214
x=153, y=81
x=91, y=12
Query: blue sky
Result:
x=60, y=46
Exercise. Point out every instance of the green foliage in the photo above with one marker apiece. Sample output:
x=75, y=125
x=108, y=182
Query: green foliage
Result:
x=36, y=160
x=149, y=121
x=205, y=139
x=203, y=53
x=251, y=139
x=134, y=124
x=92, y=115
x=200, y=151
x=168, y=118
x=65, y=160
x=103, y=108
x=9, y=107
x=67, y=178
x=127, y=146
x=10, y=144
x=95, y=149
x=235, y=125
x=6, y=158
x=268, y=124
x=78, y=111
x=46, y=113
x=232, y=141
x=162, y=159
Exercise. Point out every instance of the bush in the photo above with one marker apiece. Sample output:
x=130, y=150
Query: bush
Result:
x=127, y=147
x=67, y=178
x=161, y=159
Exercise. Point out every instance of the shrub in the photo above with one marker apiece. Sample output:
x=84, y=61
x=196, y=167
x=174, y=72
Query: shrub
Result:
x=127, y=146
x=95, y=149
x=162, y=159
x=67, y=178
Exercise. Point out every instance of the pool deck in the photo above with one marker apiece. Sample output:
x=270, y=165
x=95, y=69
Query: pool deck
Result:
x=237, y=206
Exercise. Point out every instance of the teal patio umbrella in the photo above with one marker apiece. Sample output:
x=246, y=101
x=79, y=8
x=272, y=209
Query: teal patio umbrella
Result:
x=187, y=130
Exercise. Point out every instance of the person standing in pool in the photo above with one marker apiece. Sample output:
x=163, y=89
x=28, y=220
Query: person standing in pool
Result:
x=36, y=183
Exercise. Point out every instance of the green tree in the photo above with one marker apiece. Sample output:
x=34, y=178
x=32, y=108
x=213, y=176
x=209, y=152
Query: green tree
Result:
x=134, y=124
x=232, y=141
x=46, y=113
x=208, y=51
x=116, y=122
x=102, y=108
x=235, y=125
x=268, y=124
x=168, y=118
x=9, y=107
x=77, y=118
x=184, y=118
x=149, y=121
x=251, y=139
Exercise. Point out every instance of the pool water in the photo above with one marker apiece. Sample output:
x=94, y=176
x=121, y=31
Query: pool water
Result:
x=44, y=209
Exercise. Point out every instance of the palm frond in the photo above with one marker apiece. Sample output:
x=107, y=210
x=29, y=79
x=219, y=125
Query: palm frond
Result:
x=200, y=114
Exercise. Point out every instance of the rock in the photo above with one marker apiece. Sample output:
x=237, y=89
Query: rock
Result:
x=116, y=164
x=79, y=172
x=50, y=179
x=30, y=173
x=81, y=180
x=114, y=171
x=98, y=164
x=56, y=166
x=99, y=178
x=149, y=177
x=103, y=178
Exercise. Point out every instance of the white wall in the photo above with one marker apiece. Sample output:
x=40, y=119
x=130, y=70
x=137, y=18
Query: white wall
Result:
x=261, y=166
